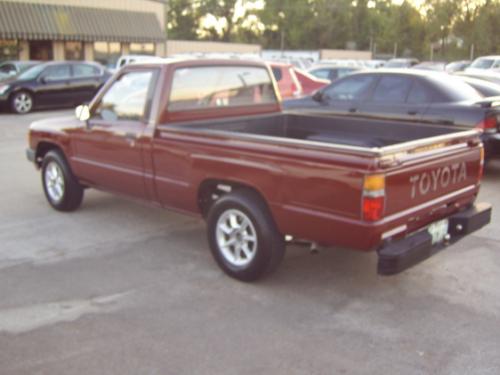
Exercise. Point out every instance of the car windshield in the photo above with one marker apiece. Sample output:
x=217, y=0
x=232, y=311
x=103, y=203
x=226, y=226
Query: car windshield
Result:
x=32, y=72
x=25, y=66
x=482, y=63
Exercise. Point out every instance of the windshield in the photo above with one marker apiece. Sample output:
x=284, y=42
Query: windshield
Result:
x=482, y=63
x=32, y=72
x=25, y=66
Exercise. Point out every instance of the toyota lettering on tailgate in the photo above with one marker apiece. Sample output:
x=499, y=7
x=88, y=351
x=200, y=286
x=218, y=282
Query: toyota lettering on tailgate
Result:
x=439, y=178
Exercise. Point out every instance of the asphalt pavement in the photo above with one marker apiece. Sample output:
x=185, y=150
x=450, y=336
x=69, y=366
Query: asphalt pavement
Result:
x=120, y=287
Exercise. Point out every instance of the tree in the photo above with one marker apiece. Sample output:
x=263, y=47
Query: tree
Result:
x=182, y=19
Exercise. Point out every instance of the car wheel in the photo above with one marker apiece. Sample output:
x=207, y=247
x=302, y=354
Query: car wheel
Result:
x=22, y=102
x=62, y=190
x=243, y=236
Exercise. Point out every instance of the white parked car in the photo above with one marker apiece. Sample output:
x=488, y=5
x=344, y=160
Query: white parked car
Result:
x=484, y=63
x=129, y=59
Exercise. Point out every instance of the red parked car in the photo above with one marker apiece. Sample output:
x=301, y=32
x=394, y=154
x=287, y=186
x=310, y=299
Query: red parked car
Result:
x=293, y=82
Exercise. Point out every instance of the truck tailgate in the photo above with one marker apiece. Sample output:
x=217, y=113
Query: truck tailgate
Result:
x=433, y=178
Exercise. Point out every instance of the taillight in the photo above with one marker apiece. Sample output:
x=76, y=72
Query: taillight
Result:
x=489, y=124
x=481, y=165
x=373, y=197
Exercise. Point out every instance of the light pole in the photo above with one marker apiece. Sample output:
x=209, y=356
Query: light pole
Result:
x=442, y=41
x=281, y=15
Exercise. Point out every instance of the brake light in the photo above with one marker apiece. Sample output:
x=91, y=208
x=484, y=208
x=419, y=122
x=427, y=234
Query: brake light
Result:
x=373, y=197
x=489, y=124
x=481, y=165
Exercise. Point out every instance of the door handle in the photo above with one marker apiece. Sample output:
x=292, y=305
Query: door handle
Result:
x=413, y=113
x=353, y=110
x=131, y=138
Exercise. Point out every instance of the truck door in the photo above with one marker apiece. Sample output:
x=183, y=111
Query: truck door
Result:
x=108, y=151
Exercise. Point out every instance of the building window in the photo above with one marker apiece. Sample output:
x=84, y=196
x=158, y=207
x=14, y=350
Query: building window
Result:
x=73, y=51
x=107, y=53
x=41, y=50
x=142, y=48
x=9, y=50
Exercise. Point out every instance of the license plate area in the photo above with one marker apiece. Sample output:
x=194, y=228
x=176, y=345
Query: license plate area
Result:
x=438, y=231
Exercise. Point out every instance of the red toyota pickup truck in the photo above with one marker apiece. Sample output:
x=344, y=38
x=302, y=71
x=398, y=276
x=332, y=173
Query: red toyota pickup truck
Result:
x=208, y=138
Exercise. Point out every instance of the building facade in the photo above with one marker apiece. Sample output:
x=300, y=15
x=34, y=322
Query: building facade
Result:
x=95, y=30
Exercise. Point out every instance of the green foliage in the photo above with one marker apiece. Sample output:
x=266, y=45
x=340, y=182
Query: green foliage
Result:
x=182, y=20
x=447, y=27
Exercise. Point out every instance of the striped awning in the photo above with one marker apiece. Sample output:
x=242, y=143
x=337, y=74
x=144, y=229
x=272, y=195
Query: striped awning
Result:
x=30, y=21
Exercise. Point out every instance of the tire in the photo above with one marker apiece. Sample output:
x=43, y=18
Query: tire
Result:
x=241, y=220
x=62, y=190
x=22, y=102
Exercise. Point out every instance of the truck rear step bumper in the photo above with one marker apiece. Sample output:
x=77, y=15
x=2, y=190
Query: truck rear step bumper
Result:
x=398, y=256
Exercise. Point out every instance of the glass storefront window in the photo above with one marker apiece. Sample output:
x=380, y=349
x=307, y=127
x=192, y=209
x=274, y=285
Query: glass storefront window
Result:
x=73, y=51
x=107, y=53
x=9, y=50
x=142, y=48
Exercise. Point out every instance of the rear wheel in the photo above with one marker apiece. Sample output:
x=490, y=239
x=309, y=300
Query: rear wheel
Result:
x=62, y=190
x=243, y=237
x=22, y=102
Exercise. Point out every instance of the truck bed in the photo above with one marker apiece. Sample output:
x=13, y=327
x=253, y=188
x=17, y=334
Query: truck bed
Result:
x=354, y=132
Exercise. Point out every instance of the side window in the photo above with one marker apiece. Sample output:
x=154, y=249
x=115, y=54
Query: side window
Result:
x=277, y=74
x=419, y=94
x=220, y=86
x=126, y=98
x=392, y=89
x=352, y=88
x=321, y=73
x=496, y=64
x=8, y=69
x=342, y=72
x=85, y=70
x=57, y=72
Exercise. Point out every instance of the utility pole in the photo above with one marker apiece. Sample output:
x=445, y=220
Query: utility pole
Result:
x=395, y=49
x=281, y=15
x=282, y=43
x=472, y=51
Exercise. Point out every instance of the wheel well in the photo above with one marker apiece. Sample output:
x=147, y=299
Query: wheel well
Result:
x=212, y=189
x=21, y=90
x=42, y=149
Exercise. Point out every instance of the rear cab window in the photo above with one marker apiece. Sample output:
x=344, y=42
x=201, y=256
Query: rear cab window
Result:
x=200, y=88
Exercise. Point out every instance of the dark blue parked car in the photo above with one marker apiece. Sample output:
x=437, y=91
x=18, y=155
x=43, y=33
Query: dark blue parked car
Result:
x=53, y=84
x=409, y=95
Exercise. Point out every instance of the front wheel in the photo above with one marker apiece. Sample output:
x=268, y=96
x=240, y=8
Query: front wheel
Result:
x=22, y=102
x=243, y=237
x=62, y=190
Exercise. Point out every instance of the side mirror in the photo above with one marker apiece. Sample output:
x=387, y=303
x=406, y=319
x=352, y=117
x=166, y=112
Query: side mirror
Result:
x=43, y=80
x=318, y=96
x=82, y=112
